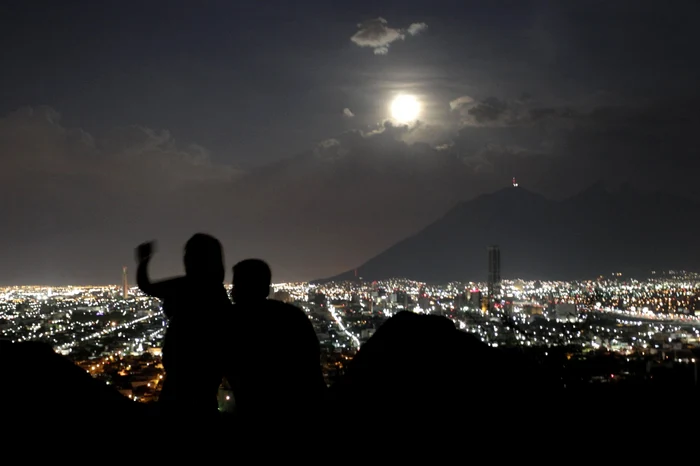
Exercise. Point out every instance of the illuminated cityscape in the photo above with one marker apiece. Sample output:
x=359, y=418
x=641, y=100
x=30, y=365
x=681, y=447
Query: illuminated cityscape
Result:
x=655, y=321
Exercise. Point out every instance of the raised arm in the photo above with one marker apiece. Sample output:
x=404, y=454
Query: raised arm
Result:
x=169, y=291
x=161, y=289
x=143, y=256
x=144, y=281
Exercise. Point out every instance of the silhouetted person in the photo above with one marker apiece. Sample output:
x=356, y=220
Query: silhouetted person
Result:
x=194, y=305
x=274, y=367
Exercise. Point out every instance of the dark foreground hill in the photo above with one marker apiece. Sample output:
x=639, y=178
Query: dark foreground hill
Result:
x=595, y=232
x=417, y=372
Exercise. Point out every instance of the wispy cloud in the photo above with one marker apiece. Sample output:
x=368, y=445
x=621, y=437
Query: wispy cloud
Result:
x=376, y=34
x=416, y=28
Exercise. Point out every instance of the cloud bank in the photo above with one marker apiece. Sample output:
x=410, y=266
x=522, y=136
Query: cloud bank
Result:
x=70, y=197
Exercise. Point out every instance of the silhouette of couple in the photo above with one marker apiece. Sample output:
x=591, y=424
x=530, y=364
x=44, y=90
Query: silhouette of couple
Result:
x=267, y=350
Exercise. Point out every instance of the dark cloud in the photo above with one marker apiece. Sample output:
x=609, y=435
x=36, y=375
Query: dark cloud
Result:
x=34, y=142
x=489, y=110
x=66, y=191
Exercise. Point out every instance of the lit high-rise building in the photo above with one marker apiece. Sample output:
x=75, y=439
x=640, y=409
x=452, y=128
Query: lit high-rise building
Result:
x=125, y=283
x=494, y=277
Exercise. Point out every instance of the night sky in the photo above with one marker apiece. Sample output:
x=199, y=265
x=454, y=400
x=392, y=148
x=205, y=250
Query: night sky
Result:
x=269, y=124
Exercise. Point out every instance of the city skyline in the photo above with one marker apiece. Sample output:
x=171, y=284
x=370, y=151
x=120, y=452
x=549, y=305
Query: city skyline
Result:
x=119, y=341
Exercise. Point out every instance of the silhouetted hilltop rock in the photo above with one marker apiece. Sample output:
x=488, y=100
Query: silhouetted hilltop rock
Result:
x=417, y=374
x=39, y=384
x=598, y=231
x=422, y=367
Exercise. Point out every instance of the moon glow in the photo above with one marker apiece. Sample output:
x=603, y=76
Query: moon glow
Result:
x=405, y=108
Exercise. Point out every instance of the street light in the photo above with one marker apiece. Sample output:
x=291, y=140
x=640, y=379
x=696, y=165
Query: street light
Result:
x=695, y=371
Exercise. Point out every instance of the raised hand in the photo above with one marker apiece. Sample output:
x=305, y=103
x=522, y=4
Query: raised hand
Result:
x=145, y=251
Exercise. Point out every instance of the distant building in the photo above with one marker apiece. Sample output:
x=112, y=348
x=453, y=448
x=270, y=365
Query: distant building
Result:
x=509, y=304
x=403, y=298
x=475, y=299
x=494, y=277
x=459, y=301
x=533, y=310
x=423, y=300
x=125, y=283
x=317, y=298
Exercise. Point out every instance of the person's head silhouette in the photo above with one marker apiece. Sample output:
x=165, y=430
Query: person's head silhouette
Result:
x=204, y=259
x=251, y=281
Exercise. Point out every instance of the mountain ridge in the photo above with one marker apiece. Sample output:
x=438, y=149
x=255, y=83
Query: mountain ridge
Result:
x=596, y=231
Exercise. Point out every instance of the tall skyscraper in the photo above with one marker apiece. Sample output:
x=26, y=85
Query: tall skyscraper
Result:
x=494, y=278
x=125, y=283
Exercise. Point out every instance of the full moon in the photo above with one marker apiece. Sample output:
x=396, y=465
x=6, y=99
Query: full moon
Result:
x=405, y=108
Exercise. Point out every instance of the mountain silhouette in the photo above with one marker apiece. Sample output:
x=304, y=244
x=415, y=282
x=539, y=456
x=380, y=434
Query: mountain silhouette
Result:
x=598, y=231
x=332, y=208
